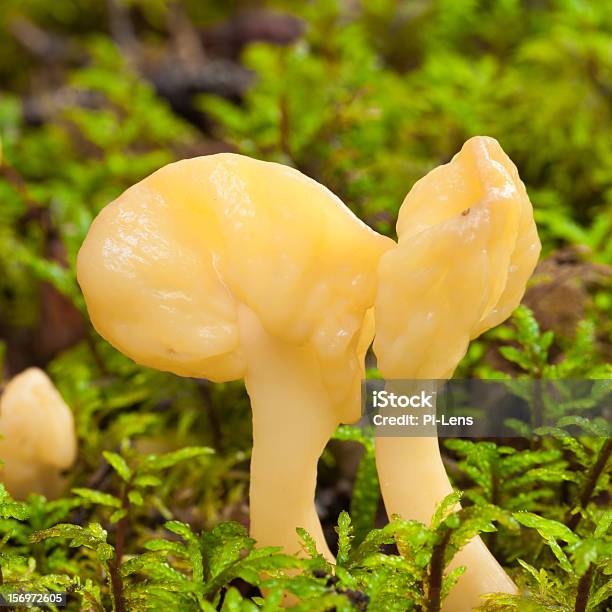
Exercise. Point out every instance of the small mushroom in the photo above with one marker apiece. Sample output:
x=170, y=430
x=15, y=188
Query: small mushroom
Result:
x=224, y=267
x=467, y=246
x=37, y=438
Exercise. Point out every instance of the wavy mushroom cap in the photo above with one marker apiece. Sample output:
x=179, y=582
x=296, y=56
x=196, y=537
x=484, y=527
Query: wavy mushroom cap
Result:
x=166, y=265
x=467, y=246
x=37, y=434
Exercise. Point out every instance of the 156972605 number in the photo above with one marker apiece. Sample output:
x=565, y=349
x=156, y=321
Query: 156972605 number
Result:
x=26, y=598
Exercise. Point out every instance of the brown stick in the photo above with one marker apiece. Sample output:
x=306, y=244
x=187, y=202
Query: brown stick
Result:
x=115, y=567
x=584, y=589
x=572, y=520
x=436, y=572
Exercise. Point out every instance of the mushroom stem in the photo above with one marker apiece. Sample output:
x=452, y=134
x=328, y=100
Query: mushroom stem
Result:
x=425, y=476
x=292, y=422
x=414, y=493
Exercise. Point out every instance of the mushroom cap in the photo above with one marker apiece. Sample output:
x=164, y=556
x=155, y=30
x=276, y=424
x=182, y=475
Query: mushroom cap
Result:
x=467, y=244
x=165, y=266
x=37, y=432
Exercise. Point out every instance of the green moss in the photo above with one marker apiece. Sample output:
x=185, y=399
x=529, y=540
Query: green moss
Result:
x=373, y=96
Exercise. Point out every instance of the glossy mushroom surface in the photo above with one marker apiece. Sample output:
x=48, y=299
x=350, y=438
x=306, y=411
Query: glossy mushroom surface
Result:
x=37, y=436
x=225, y=267
x=467, y=244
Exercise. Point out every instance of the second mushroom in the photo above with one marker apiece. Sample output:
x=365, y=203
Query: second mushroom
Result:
x=467, y=246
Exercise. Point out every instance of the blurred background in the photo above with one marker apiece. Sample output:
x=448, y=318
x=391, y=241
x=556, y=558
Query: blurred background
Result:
x=364, y=96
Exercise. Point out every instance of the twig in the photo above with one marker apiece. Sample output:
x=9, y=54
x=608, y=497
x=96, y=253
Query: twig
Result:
x=584, y=589
x=114, y=567
x=572, y=520
x=436, y=572
x=117, y=586
x=495, y=494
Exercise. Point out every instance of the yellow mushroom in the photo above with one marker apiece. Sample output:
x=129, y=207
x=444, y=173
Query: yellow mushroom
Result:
x=467, y=243
x=37, y=438
x=225, y=267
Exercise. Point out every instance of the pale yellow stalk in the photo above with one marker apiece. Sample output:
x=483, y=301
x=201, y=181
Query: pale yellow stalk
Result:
x=467, y=245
